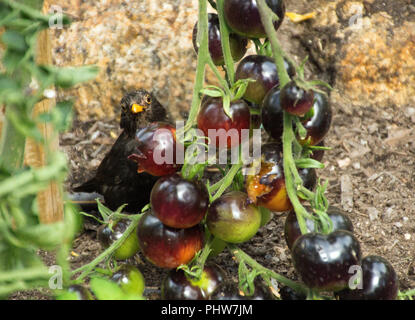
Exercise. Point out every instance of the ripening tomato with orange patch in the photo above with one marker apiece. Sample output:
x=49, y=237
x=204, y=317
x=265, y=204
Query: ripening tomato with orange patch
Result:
x=265, y=182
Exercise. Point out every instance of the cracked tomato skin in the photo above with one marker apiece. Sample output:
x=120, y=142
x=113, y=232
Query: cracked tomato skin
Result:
x=238, y=44
x=380, y=281
x=177, y=286
x=292, y=231
x=324, y=261
x=130, y=279
x=267, y=187
x=212, y=117
x=319, y=124
x=107, y=237
x=168, y=247
x=179, y=203
x=156, y=149
x=243, y=16
x=232, y=219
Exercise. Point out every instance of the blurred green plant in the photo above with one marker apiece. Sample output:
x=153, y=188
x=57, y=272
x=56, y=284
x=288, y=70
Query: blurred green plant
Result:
x=23, y=83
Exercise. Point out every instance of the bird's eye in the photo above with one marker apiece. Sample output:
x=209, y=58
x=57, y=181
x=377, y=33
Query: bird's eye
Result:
x=147, y=99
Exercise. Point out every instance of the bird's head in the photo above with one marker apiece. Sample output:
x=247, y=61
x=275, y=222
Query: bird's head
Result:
x=138, y=109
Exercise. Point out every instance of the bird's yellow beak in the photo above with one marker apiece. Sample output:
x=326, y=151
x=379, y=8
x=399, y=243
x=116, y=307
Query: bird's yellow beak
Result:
x=136, y=108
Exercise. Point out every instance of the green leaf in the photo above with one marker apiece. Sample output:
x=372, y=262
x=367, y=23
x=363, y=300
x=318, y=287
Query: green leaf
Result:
x=73, y=221
x=239, y=88
x=12, y=59
x=25, y=125
x=105, y=289
x=320, y=83
x=308, y=163
x=14, y=41
x=12, y=258
x=212, y=93
x=67, y=296
x=265, y=215
x=44, y=236
x=146, y=207
x=104, y=211
x=227, y=106
x=63, y=115
x=70, y=76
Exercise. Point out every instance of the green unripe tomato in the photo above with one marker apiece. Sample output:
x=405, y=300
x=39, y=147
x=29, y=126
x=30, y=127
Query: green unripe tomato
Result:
x=232, y=219
x=130, y=279
x=81, y=293
x=107, y=237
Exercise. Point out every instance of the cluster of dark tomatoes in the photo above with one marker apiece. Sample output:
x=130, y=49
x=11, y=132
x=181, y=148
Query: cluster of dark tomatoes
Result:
x=173, y=231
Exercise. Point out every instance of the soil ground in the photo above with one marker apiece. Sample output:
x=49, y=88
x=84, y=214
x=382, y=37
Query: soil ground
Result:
x=370, y=170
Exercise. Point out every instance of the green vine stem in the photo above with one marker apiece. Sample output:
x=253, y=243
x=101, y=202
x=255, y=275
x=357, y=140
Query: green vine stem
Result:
x=202, y=58
x=225, y=182
x=30, y=273
x=226, y=49
x=410, y=294
x=241, y=256
x=88, y=268
x=12, y=146
x=288, y=134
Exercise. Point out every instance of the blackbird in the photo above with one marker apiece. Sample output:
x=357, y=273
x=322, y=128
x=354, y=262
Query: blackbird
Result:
x=116, y=178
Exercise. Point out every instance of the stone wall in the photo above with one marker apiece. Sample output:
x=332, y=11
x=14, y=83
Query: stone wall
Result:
x=369, y=58
x=137, y=44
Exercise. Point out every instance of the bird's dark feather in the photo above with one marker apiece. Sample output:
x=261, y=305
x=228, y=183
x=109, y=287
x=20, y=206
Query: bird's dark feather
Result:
x=116, y=177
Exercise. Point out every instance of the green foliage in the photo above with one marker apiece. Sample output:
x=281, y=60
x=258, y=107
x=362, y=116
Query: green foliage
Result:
x=22, y=84
x=105, y=289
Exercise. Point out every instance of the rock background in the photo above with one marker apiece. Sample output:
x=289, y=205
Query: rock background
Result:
x=365, y=48
x=135, y=43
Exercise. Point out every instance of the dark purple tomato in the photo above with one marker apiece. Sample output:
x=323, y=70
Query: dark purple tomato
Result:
x=319, y=124
x=324, y=261
x=296, y=100
x=168, y=247
x=108, y=236
x=179, y=203
x=237, y=43
x=81, y=292
x=292, y=229
x=289, y=294
x=266, y=187
x=318, y=154
x=380, y=281
x=263, y=70
x=229, y=290
x=224, y=131
x=232, y=219
x=244, y=18
x=177, y=286
x=130, y=279
x=155, y=152
x=273, y=114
